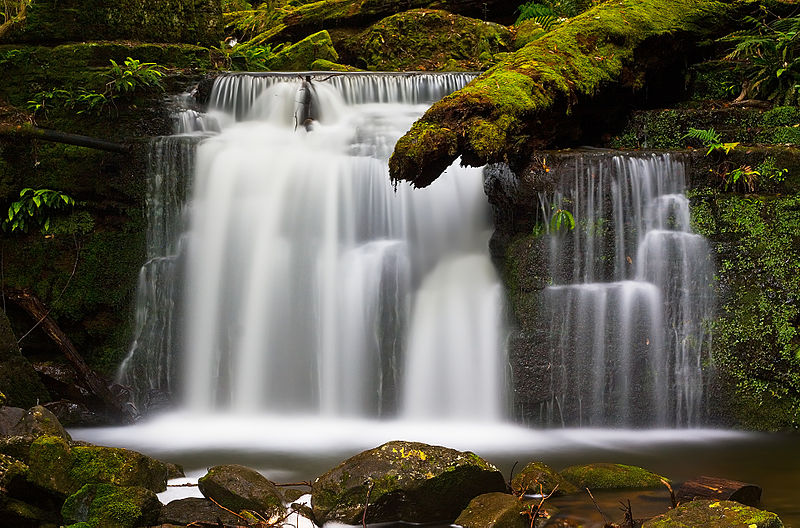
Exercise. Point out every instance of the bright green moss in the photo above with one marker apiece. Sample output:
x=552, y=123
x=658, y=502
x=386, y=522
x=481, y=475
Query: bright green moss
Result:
x=714, y=514
x=109, y=506
x=611, y=476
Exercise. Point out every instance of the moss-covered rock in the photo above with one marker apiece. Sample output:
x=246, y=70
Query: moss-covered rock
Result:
x=300, y=56
x=189, y=21
x=612, y=476
x=57, y=467
x=39, y=421
x=404, y=481
x=424, y=39
x=241, y=488
x=109, y=506
x=538, y=477
x=757, y=337
x=326, y=65
x=526, y=32
x=542, y=94
x=714, y=514
x=497, y=510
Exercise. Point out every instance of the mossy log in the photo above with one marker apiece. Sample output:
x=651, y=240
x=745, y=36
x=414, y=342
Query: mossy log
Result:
x=546, y=92
x=63, y=137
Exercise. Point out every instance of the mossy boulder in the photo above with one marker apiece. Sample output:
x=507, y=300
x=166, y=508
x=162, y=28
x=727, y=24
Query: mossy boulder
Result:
x=10, y=470
x=300, y=56
x=403, y=481
x=526, y=32
x=426, y=39
x=714, y=514
x=109, y=506
x=62, y=469
x=612, y=476
x=546, y=93
x=538, y=477
x=39, y=421
x=241, y=488
x=497, y=510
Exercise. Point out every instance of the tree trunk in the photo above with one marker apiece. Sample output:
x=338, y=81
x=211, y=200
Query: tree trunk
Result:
x=63, y=137
x=714, y=488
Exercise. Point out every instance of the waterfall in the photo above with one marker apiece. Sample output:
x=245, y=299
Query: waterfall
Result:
x=632, y=288
x=309, y=284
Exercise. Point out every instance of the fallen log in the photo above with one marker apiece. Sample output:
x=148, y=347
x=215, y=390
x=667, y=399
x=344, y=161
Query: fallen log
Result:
x=34, y=307
x=57, y=136
x=714, y=488
x=562, y=88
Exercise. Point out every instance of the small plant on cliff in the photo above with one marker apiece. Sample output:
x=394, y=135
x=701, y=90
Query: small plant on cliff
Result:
x=35, y=208
x=134, y=76
x=710, y=139
x=561, y=220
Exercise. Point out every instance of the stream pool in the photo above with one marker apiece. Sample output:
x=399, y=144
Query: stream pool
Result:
x=298, y=449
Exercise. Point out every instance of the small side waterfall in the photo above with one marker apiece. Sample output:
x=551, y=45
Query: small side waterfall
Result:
x=311, y=285
x=632, y=289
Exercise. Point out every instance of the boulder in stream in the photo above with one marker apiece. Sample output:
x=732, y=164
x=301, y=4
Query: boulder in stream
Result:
x=109, y=506
x=240, y=488
x=538, y=477
x=715, y=514
x=612, y=476
x=403, y=481
x=195, y=509
x=499, y=510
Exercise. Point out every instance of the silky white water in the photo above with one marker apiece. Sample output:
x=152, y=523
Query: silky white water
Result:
x=311, y=284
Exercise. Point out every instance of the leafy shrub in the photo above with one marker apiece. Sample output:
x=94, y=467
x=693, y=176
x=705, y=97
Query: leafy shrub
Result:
x=35, y=208
x=134, y=76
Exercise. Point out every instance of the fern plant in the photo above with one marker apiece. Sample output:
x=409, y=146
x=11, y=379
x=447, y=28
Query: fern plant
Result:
x=711, y=139
x=561, y=220
x=769, y=50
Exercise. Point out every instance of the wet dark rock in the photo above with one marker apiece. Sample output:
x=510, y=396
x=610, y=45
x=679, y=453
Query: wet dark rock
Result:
x=403, y=481
x=61, y=381
x=20, y=514
x=39, y=421
x=612, y=476
x=9, y=418
x=74, y=414
x=715, y=514
x=109, y=506
x=241, y=488
x=538, y=477
x=174, y=471
x=195, y=509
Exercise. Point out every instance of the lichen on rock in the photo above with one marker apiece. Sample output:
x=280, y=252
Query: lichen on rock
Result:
x=714, y=514
x=403, y=481
x=240, y=488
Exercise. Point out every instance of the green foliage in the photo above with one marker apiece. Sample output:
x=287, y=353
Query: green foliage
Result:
x=134, y=76
x=710, y=139
x=786, y=135
x=549, y=12
x=562, y=220
x=252, y=58
x=81, y=100
x=35, y=208
x=770, y=52
x=781, y=116
x=770, y=171
x=743, y=175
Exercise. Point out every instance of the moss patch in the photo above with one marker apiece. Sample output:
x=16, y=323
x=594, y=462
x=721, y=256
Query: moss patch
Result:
x=107, y=506
x=300, y=56
x=714, y=514
x=611, y=476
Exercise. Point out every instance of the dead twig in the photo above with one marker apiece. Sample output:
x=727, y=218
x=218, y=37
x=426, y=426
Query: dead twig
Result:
x=605, y=519
x=671, y=493
x=366, y=505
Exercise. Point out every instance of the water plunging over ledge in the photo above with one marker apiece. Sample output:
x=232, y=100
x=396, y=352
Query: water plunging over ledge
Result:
x=311, y=285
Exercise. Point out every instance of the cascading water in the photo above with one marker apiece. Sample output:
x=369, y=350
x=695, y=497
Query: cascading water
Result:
x=314, y=287
x=632, y=289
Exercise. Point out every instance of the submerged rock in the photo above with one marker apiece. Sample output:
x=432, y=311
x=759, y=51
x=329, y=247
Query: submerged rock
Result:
x=109, y=506
x=498, y=510
x=611, y=476
x=714, y=514
x=194, y=509
x=538, y=477
x=403, y=481
x=241, y=488
x=300, y=56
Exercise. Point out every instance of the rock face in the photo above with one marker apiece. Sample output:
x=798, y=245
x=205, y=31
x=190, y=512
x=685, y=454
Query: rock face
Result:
x=19, y=382
x=538, y=477
x=240, y=488
x=714, y=514
x=194, y=509
x=300, y=56
x=403, y=481
x=611, y=476
x=516, y=105
x=425, y=39
x=59, y=468
x=108, y=506
x=494, y=510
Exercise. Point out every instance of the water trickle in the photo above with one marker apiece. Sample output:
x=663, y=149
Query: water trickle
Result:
x=313, y=286
x=633, y=288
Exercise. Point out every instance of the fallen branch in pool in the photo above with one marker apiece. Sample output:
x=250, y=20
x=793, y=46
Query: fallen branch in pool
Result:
x=292, y=484
x=672, y=499
x=606, y=521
